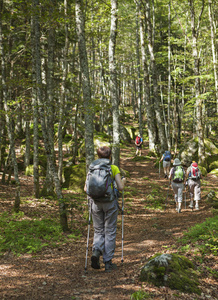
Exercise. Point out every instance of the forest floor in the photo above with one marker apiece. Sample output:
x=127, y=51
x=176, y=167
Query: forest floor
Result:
x=60, y=273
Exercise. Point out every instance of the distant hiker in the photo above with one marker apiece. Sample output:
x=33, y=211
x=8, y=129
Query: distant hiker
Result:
x=104, y=206
x=177, y=175
x=166, y=157
x=193, y=174
x=138, y=143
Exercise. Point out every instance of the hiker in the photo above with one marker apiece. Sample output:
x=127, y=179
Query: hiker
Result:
x=138, y=143
x=177, y=175
x=104, y=214
x=193, y=175
x=166, y=157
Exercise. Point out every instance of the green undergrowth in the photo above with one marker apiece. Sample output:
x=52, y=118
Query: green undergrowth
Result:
x=140, y=295
x=203, y=237
x=20, y=235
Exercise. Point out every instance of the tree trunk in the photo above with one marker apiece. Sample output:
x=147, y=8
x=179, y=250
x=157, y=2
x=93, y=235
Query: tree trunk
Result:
x=139, y=82
x=157, y=104
x=169, y=79
x=88, y=106
x=213, y=51
x=151, y=124
x=9, y=121
x=198, y=105
x=27, y=150
x=47, y=142
x=113, y=85
x=63, y=98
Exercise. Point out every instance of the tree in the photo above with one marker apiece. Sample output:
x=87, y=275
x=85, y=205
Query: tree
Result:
x=88, y=106
x=199, y=116
x=113, y=84
x=46, y=131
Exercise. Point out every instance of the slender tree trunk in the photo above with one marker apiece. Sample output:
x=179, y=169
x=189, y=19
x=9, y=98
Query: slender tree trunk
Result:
x=63, y=98
x=48, y=186
x=88, y=107
x=35, y=116
x=27, y=150
x=47, y=143
x=139, y=82
x=151, y=124
x=199, y=117
x=113, y=84
x=157, y=104
x=9, y=121
x=169, y=78
x=213, y=51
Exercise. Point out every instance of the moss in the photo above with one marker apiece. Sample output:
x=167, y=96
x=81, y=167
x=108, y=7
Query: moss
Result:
x=172, y=270
x=214, y=172
x=75, y=176
x=203, y=170
x=213, y=165
x=132, y=131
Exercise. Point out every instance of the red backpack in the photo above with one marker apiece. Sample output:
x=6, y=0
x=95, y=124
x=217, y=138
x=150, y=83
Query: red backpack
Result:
x=195, y=173
x=138, y=140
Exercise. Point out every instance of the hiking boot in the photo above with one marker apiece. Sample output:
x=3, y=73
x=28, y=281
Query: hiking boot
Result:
x=165, y=176
x=95, y=259
x=179, y=210
x=191, y=206
x=109, y=266
x=197, y=208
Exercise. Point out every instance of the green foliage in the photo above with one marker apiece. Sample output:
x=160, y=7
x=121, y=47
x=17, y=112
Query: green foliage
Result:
x=29, y=170
x=21, y=235
x=204, y=236
x=140, y=295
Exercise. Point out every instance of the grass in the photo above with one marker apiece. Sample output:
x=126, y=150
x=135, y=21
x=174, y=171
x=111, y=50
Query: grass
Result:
x=140, y=295
x=203, y=236
x=21, y=235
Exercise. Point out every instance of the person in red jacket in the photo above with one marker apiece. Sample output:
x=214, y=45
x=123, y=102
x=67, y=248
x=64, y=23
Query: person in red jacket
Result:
x=138, y=143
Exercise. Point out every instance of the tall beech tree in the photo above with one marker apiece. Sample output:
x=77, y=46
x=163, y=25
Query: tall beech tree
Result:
x=8, y=115
x=151, y=120
x=113, y=84
x=195, y=28
x=46, y=131
x=86, y=88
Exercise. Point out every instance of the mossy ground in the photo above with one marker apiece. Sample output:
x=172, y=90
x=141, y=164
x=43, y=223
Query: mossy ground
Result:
x=175, y=271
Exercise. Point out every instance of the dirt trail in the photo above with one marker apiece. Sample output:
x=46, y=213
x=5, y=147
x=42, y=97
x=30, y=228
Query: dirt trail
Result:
x=59, y=273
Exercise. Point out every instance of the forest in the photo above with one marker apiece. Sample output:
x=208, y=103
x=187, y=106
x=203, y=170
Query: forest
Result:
x=78, y=74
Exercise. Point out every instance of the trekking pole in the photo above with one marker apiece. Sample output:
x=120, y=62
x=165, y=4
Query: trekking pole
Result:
x=87, y=246
x=122, y=224
x=159, y=170
x=167, y=195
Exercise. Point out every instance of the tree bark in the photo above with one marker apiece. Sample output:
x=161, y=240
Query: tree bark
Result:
x=199, y=121
x=139, y=82
x=88, y=106
x=157, y=101
x=47, y=142
x=213, y=51
x=151, y=121
x=9, y=120
x=113, y=85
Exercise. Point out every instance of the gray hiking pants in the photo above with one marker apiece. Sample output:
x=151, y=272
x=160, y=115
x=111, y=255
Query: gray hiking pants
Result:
x=178, y=189
x=104, y=216
x=194, y=189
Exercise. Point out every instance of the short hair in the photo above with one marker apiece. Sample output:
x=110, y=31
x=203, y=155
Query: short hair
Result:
x=104, y=152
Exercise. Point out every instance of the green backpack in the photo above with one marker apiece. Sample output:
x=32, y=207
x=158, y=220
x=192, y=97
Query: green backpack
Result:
x=178, y=174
